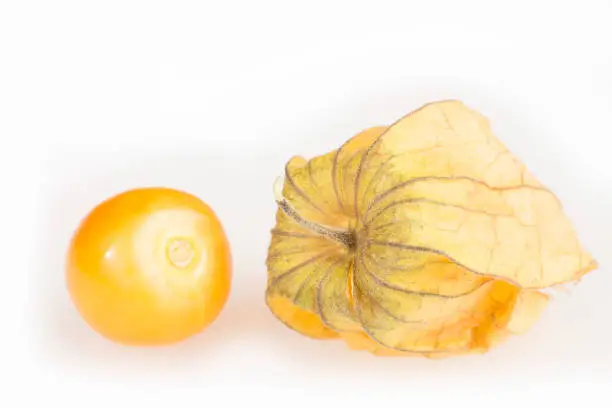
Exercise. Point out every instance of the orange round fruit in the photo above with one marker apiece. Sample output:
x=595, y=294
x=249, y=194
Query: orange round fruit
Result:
x=149, y=266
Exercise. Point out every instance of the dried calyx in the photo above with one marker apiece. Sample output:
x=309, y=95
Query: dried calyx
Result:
x=426, y=237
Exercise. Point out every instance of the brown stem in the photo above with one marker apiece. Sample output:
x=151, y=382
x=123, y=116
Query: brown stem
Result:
x=344, y=237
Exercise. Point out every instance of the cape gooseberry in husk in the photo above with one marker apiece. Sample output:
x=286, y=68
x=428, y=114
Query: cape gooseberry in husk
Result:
x=427, y=237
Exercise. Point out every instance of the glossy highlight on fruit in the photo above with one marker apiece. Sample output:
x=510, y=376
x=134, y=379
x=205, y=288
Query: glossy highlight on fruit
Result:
x=149, y=266
x=427, y=237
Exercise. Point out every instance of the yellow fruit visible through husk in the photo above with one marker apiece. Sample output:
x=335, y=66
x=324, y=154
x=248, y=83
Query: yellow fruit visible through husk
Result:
x=427, y=237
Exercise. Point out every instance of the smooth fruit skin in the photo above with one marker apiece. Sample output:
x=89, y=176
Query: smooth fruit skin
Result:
x=149, y=266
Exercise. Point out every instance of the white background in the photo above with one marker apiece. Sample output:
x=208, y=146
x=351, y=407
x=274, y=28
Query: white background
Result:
x=214, y=97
